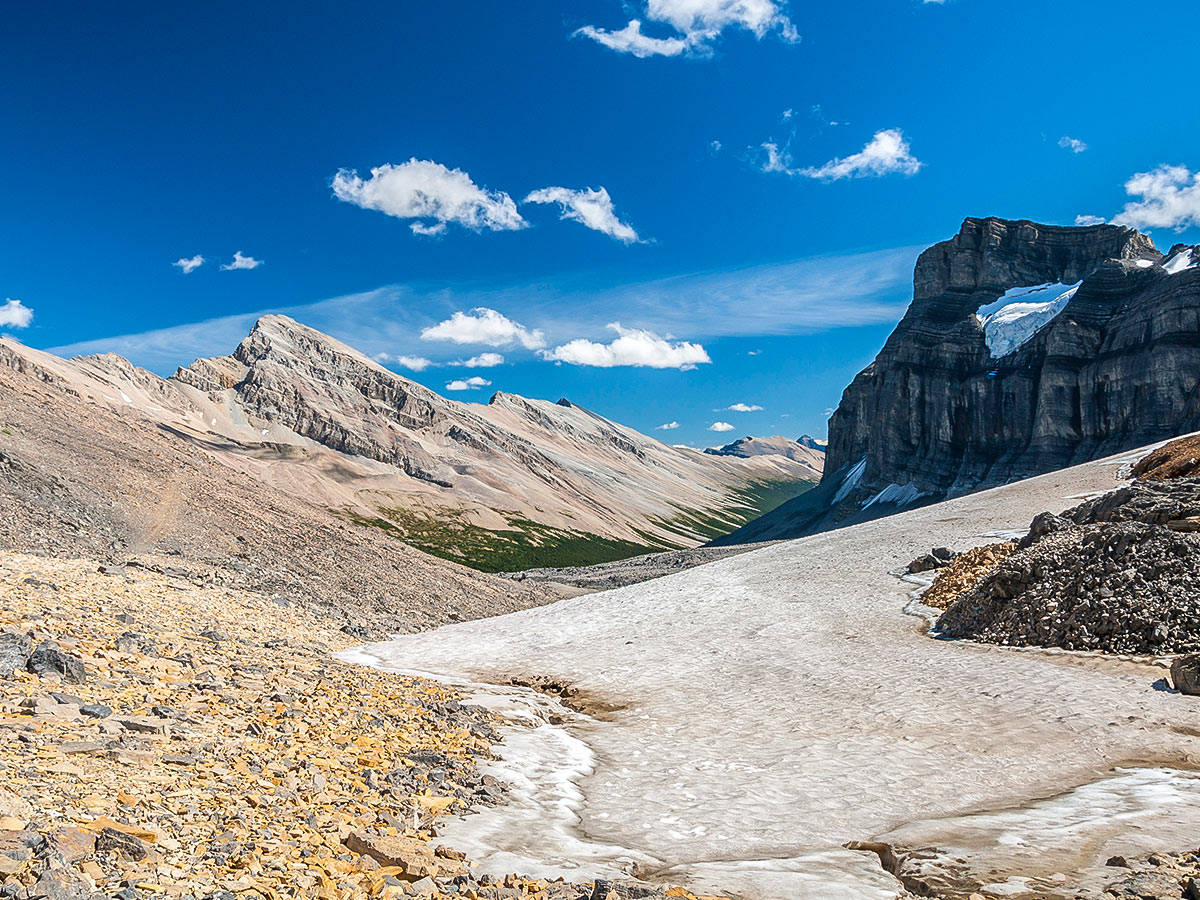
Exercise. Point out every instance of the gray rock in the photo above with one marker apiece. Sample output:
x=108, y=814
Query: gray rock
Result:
x=1185, y=674
x=1115, y=370
x=109, y=840
x=14, y=652
x=96, y=710
x=47, y=659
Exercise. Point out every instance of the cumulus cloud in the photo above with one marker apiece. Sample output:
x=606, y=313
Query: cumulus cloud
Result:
x=720, y=426
x=473, y=383
x=667, y=426
x=631, y=347
x=241, y=262
x=1073, y=144
x=885, y=154
x=631, y=40
x=482, y=361
x=430, y=192
x=593, y=209
x=1170, y=198
x=696, y=23
x=15, y=314
x=1090, y=220
x=742, y=407
x=189, y=265
x=415, y=363
x=484, y=326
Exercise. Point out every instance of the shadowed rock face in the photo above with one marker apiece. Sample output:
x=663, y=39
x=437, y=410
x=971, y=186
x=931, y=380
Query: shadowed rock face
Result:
x=937, y=415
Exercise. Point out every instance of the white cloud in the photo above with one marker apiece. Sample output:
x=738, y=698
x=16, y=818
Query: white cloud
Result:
x=241, y=262
x=423, y=230
x=484, y=326
x=482, y=361
x=886, y=153
x=777, y=160
x=189, y=265
x=720, y=426
x=697, y=24
x=631, y=40
x=593, y=209
x=753, y=352
x=632, y=347
x=742, y=407
x=473, y=383
x=1090, y=220
x=1170, y=199
x=667, y=426
x=415, y=363
x=15, y=314
x=1073, y=144
x=426, y=190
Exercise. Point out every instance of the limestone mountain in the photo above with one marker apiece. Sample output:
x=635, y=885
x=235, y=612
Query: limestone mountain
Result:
x=503, y=485
x=804, y=450
x=1026, y=348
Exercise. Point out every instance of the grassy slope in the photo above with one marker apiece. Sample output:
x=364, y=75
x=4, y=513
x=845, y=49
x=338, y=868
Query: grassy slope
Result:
x=530, y=545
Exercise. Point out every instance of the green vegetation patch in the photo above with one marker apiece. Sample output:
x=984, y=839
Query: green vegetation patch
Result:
x=525, y=544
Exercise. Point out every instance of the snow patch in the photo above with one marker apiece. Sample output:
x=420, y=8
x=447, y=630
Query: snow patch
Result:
x=1181, y=261
x=1012, y=320
x=899, y=494
x=850, y=482
x=126, y=397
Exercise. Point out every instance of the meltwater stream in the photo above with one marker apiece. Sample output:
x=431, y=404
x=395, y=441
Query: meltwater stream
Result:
x=770, y=707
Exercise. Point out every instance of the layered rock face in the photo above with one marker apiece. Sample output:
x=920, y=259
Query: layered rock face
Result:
x=1026, y=348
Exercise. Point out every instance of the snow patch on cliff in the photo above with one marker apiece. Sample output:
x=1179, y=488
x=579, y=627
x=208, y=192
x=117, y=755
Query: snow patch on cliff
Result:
x=899, y=494
x=850, y=482
x=1181, y=261
x=1012, y=320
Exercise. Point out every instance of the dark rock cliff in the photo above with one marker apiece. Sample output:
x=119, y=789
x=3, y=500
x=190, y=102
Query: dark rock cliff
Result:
x=937, y=415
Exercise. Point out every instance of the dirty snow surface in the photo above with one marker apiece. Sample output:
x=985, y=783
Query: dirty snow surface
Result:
x=1009, y=322
x=774, y=705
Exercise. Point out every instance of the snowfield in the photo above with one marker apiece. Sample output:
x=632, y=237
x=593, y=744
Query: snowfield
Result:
x=773, y=706
x=1011, y=321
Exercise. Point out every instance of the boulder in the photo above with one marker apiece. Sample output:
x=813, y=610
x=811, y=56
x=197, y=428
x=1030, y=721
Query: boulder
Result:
x=414, y=857
x=47, y=659
x=1185, y=674
x=109, y=840
x=14, y=652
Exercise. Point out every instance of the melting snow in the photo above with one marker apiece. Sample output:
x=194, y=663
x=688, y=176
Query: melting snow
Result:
x=1009, y=322
x=899, y=494
x=1181, y=261
x=850, y=482
x=126, y=397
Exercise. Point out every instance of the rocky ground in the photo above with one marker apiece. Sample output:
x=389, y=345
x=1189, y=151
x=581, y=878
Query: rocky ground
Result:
x=79, y=479
x=624, y=572
x=161, y=738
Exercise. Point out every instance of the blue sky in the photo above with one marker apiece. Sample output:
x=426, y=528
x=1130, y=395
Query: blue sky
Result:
x=742, y=185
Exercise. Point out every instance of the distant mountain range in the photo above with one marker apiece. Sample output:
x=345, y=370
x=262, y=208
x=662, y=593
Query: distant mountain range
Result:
x=508, y=485
x=1027, y=348
x=805, y=450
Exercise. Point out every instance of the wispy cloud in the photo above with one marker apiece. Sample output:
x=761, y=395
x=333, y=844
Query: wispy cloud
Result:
x=241, y=262
x=1073, y=144
x=484, y=326
x=799, y=297
x=667, y=426
x=189, y=264
x=696, y=25
x=473, y=383
x=15, y=314
x=720, y=426
x=886, y=153
x=632, y=347
x=431, y=193
x=413, y=363
x=1090, y=220
x=593, y=209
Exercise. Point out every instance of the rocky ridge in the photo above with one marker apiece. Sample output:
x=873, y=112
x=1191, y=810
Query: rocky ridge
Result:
x=1110, y=362
x=310, y=416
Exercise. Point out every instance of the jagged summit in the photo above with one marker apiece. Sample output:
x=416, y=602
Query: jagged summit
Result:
x=514, y=481
x=1026, y=348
